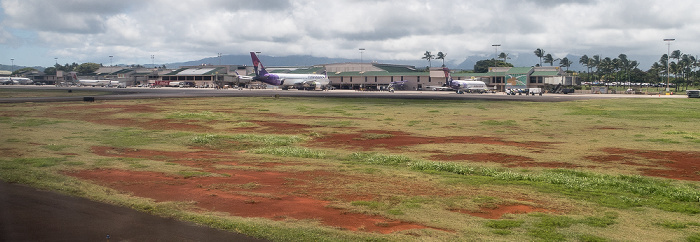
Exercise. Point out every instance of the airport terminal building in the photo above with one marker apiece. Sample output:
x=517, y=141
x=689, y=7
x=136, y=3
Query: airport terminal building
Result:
x=353, y=76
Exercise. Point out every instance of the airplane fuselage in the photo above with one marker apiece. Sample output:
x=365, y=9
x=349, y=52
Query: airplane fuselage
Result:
x=285, y=80
x=293, y=79
x=15, y=81
x=468, y=85
x=95, y=83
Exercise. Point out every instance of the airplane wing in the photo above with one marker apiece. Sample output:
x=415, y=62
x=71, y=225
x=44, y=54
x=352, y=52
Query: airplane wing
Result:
x=248, y=78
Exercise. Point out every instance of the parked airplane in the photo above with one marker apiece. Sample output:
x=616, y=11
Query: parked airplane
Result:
x=287, y=80
x=460, y=86
x=15, y=81
x=94, y=83
x=397, y=85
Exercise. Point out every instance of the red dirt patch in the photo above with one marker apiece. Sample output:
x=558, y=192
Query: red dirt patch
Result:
x=244, y=193
x=397, y=139
x=499, y=211
x=251, y=193
x=669, y=164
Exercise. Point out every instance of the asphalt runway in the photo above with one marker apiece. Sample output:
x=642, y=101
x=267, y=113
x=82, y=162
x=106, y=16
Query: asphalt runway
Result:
x=28, y=214
x=174, y=92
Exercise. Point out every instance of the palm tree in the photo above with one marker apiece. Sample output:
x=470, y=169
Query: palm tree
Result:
x=595, y=64
x=565, y=62
x=428, y=57
x=441, y=56
x=585, y=61
x=504, y=56
x=549, y=59
x=686, y=68
x=676, y=54
x=539, y=53
x=657, y=69
x=605, y=68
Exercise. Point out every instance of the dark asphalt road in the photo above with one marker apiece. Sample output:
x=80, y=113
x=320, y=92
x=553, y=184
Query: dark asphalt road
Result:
x=28, y=214
x=146, y=93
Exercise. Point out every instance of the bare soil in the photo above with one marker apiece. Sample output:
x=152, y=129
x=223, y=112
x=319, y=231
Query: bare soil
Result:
x=307, y=195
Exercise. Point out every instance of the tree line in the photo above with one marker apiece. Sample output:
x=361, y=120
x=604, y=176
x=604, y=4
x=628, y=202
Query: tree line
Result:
x=679, y=68
x=681, y=72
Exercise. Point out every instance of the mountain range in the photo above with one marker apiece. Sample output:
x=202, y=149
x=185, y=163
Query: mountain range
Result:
x=467, y=63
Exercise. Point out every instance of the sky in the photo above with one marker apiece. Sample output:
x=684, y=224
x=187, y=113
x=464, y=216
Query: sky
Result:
x=42, y=32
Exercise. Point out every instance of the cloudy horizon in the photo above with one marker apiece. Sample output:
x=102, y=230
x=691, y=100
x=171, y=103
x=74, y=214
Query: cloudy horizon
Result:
x=36, y=32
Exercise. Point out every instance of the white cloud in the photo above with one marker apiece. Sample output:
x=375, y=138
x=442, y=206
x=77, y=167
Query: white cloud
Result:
x=86, y=30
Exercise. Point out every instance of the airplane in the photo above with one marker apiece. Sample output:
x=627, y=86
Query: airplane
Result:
x=400, y=85
x=460, y=86
x=15, y=81
x=94, y=83
x=287, y=80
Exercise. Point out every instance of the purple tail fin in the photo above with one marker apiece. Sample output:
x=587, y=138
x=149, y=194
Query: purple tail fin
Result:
x=257, y=65
x=448, y=76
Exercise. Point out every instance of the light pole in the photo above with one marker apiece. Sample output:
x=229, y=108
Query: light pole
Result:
x=361, y=60
x=362, y=68
x=153, y=62
x=668, y=58
x=56, y=59
x=13, y=66
x=110, y=64
x=496, y=45
x=219, y=55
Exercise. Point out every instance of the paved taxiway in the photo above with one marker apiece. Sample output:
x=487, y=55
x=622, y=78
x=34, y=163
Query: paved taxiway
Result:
x=169, y=92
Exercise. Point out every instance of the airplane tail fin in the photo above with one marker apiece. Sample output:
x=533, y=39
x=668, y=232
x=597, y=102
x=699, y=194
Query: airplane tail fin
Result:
x=74, y=76
x=257, y=65
x=448, y=76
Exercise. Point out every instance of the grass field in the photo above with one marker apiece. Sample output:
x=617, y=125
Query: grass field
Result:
x=324, y=169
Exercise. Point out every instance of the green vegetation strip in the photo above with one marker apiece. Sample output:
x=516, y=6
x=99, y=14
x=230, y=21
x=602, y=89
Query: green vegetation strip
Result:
x=621, y=191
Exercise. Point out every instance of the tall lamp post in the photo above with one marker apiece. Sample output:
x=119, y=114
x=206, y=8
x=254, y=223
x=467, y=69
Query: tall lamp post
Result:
x=496, y=45
x=362, y=68
x=111, y=69
x=668, y=58
x=13, y=66
x=361, y=60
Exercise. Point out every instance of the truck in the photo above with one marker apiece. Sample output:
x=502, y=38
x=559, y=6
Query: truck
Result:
x=535, y=90
x=693, y=93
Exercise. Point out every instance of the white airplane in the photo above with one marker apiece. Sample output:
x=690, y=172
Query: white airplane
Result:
x=286, y=80
x=460, y=86
x=94, y=83
x=15, y=81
